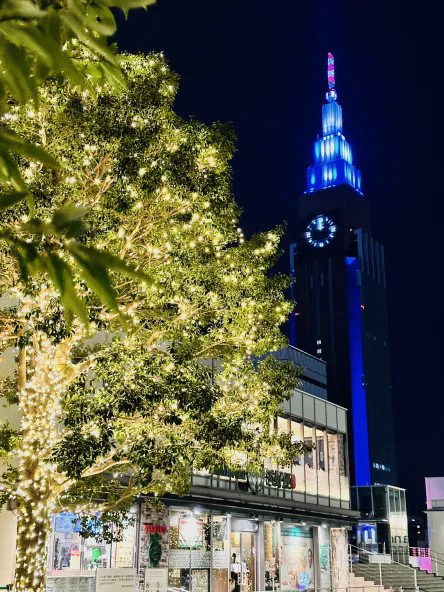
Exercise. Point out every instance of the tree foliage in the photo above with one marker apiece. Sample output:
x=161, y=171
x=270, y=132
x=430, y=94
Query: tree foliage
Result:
x=109, y=414
x=39, y=40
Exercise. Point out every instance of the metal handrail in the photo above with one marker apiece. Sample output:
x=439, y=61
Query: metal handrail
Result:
x=436, y=558
x=415, y=580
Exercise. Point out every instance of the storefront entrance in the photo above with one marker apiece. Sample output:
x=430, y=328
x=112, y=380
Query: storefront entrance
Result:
x=243, y=566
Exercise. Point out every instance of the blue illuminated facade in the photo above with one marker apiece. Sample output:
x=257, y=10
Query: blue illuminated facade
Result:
x=358, y=395
x=333, y=157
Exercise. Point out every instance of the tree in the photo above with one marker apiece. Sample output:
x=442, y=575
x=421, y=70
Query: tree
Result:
x=109, y=413
x=40, y=40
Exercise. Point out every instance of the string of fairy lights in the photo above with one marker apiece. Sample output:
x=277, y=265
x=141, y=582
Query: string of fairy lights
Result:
x=156, y=190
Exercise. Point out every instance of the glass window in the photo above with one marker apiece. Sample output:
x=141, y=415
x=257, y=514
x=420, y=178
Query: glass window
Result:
x=392, y=500
x=282, y=425
x=333, y=462
x=189, y=555
x=68, y=551
x=365, y=501
x=297, y=436
x=322, y=464
x=403, y=506
x=308, y=439
x=379, y=503
x=297, y=432
x=321, y=449
x=65, y=554
x=311, y=481
x=95, y=555
x=296, y=561
x=220, y=554
x=342, y=457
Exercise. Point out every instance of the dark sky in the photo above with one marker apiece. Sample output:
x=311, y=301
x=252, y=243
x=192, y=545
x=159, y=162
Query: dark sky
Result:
x=261, y=65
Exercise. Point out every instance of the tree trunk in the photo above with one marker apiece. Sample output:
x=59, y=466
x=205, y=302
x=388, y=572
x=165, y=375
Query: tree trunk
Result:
x=39, y=401
x=40, y=389
x=32, y=538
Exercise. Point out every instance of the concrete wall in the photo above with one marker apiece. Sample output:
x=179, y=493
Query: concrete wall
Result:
x=434, y=492
x=8, y=528
x=435, y=527
x=8, y=523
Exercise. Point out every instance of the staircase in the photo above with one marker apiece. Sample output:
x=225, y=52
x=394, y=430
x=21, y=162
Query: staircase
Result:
x=396, y=575
x=359, y=584
x=430, y=582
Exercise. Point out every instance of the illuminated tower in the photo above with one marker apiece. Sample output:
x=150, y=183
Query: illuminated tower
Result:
x=333, y=159
x=340, y=294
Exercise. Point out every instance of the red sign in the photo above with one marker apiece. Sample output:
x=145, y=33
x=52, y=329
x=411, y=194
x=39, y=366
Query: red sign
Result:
x=155, y=528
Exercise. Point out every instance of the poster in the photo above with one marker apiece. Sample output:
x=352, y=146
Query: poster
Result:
x=297, y=570
x=124, y=550
x=156, y=579
x=190, y=532
x=115, y=580
x=199, y=580
x=67, y=522
x=323, y=556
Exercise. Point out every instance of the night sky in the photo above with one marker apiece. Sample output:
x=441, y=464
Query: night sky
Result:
x=261, y=65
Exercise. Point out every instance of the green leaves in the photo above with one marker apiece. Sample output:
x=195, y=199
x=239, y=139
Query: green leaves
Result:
x=49, y=248
x=62, y=278
x=126, y=5
x=36, y=43
x=11, y=199
x=20, y=9
x=19, y=145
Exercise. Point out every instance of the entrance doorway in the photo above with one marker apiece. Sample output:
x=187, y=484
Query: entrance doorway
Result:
x=243, y=561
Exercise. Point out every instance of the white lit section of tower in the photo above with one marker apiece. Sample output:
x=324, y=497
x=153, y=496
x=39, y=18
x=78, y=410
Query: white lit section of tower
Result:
x=333, y=159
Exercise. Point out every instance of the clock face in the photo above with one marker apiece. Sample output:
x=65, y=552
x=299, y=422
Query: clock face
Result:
x=320, y=231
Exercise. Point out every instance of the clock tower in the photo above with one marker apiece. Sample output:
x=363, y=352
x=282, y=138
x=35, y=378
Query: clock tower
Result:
x=340, y=292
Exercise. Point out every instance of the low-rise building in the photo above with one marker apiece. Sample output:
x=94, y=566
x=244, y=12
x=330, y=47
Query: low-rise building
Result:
x=286, y=529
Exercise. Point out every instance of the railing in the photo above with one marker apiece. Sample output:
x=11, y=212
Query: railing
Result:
x=359, y=555
x=420, y=552
x=429, y=560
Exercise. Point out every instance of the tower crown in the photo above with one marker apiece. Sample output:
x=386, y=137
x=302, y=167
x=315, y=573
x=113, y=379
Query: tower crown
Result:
x=333, y=159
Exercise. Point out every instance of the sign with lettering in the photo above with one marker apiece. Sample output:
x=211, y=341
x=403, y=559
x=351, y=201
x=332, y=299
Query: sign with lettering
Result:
x=156, y=579
x=279, y=479
x=154, y=528
x=115, y=580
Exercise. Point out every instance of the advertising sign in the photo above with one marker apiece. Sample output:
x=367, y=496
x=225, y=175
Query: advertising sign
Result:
x=115, y=580
x=297, y=571
x=156, y=579
x=190, y=532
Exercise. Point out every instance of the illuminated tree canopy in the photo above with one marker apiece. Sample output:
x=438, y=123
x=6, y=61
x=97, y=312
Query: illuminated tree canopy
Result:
x=131, y=404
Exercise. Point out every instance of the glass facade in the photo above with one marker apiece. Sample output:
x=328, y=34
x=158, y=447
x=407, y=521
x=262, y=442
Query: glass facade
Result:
x=69, y=552
x=319, y=476
x=199, y=550
x=210, y=552
x=384, y=527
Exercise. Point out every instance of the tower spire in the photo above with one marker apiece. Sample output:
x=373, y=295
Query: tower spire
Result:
x=333, y=160
x=331, y=94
